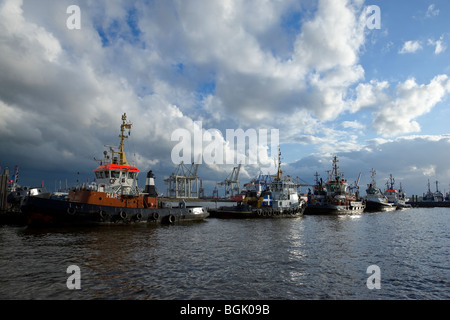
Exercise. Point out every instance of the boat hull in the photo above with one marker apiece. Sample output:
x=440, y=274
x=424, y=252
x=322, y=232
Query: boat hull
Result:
x=331, y=209
x=374, y=206
x=52, y=212
x=246, y=212
x=404, y=206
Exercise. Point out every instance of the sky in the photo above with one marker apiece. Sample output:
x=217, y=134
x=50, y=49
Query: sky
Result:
x=334, y=77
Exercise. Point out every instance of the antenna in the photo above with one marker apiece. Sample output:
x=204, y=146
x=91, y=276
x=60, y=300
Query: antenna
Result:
x=279, y=172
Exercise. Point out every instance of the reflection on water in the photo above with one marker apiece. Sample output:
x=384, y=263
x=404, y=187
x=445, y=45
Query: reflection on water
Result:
x=310, y=257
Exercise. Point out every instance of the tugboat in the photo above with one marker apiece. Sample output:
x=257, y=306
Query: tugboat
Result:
x=13, y=196
x=266, y=198
x=113, y=198
x=333, y=198
x=375, y=199
x=394, y=196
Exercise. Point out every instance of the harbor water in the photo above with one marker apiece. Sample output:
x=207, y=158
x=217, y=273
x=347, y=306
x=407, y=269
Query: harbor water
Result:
x=310, y=257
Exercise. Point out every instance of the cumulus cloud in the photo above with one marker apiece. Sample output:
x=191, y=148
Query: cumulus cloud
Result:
x=395, y=111
x=352, y=124
x=410, y=46
x=252, y=77
x=56, y=103
x=432, y=11
x=438, y=44
x=397, y=116
x=370, y=95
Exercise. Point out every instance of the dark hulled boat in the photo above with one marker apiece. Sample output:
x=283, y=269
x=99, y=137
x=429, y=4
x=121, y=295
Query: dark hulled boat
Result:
x=375, y=200
x=114, y=198
x=333, y=198
x=265, y=199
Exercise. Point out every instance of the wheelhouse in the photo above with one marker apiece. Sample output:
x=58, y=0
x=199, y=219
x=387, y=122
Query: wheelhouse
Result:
x=115, y=171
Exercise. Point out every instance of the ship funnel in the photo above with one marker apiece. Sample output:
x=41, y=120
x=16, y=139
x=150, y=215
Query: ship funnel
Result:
x=150, y=185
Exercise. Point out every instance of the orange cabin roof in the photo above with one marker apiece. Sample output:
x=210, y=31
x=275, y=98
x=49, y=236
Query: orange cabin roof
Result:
x=336, y=182
x=116, y=167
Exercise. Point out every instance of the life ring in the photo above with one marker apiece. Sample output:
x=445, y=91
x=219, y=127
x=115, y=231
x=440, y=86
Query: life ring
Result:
x=171, y=218
x=102, y=214
x=71, y=211
x=123, y=215
x=112, y=181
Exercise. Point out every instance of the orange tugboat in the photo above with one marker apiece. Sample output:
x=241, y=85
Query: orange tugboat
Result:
x=114, y=198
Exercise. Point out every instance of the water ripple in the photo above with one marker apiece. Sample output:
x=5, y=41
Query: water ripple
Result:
x=305, y=258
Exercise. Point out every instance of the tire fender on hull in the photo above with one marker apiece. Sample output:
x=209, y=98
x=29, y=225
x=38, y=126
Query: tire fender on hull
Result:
x=123, y=215
x=138, y=217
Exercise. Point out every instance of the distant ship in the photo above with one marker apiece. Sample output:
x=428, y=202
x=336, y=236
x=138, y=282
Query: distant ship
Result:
x=334, y=197
x=19, y=194
x=375, y=199
x=16, y=194
x=266, y=198
x=113, y=198
x=396, y=197
x=433, y=196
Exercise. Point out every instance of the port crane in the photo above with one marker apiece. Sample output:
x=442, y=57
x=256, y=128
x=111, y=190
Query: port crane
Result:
x=184, y=182
x=355, y=186
x=231, y=183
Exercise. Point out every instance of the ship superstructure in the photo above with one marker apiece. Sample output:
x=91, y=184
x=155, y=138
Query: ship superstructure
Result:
x=334, y=197
x=375, y=199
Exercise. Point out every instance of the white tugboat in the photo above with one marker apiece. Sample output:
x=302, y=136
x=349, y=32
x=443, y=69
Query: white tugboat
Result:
x=396, y=197
x=375, y=199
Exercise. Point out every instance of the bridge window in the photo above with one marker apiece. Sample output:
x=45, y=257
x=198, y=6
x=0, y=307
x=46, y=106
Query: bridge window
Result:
x=115, y=174
x=100, y=174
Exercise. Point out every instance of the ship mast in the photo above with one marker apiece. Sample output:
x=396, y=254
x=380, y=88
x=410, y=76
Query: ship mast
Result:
x=123, y=136
x=279, y=165
x=373, y=172
x=390, y=182
x=335, y=168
